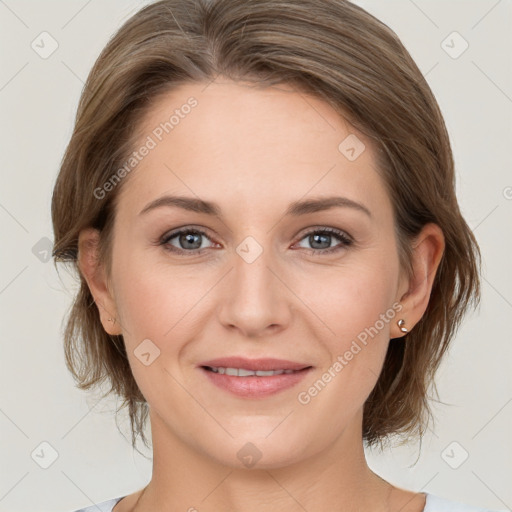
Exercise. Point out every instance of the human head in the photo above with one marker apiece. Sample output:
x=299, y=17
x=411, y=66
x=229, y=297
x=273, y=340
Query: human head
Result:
x=345, y=63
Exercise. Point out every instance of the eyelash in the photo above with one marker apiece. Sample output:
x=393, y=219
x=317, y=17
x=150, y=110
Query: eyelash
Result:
x=340, y=235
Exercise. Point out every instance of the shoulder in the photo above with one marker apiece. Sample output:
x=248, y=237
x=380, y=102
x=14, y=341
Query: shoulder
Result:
x=104, y=506
x=438, y=504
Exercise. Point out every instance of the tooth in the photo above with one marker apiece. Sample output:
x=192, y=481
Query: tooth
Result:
x=242, y=372
x=266, y=373
x=245, y=373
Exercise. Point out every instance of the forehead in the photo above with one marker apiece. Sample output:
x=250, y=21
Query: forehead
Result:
x=227, y=141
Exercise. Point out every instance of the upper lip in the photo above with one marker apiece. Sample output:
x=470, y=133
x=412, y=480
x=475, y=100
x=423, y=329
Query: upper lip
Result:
x=254, y=364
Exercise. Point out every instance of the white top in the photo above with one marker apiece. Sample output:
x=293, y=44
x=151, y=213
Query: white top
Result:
x=433, y=504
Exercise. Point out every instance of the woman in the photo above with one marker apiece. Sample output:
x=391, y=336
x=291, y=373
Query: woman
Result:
x=268, y=331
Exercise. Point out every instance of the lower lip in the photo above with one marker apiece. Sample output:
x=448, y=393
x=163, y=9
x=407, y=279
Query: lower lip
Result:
x=253, y=386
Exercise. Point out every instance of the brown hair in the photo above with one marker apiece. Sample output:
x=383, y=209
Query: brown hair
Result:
x=332, y=49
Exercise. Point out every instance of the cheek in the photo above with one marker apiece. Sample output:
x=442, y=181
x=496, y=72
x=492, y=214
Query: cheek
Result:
x=355, y=303
x=349, y=299
x=153, y=306
x=357, y=307
x=148, y=304
x=160, y=302
x=142, y=305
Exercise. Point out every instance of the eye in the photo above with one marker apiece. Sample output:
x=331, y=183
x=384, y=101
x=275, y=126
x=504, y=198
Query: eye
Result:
x=320, y=240
x=188, y=240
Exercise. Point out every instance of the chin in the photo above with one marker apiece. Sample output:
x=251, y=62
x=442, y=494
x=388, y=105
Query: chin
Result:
x=259, y=451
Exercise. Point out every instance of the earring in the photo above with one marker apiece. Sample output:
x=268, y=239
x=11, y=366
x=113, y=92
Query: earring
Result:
x=112, y=320
x=400, y=324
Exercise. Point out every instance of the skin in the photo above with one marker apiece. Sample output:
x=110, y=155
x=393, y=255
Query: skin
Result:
x=238, y=147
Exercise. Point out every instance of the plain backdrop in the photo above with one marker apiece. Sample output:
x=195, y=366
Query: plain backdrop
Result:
x=60, y=447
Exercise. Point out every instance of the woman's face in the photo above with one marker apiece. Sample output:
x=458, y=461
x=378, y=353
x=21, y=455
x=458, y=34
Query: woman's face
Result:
x=261, y=278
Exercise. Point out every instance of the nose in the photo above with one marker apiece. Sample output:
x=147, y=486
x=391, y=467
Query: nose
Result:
x=256, y=300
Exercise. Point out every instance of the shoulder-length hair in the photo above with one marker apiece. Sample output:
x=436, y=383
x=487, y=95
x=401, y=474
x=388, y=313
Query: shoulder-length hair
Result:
x=332, y=49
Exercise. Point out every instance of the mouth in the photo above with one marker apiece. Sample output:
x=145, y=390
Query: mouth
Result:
x=252, y=365
x=253, y=384
x=243, y=372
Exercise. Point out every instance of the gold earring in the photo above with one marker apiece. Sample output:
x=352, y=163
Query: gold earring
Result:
x=112, y=320
x=400, y=323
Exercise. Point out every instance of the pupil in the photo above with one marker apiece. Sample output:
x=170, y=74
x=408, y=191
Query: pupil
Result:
x=317, y=238
x=189, y=239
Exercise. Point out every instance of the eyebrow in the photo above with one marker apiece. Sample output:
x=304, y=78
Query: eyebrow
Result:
x=295, y=209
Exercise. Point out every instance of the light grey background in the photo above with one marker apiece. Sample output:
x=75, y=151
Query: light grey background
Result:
x=38, y=99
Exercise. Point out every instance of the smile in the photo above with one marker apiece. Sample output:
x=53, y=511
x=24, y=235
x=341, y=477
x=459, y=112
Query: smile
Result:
x=253, y=384
x=242, y=372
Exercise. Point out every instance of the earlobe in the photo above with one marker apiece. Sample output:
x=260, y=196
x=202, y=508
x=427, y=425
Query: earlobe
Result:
x=427, y=254
x=94, y=274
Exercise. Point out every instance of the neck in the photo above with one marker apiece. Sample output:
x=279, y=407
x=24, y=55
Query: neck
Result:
x=337, y=478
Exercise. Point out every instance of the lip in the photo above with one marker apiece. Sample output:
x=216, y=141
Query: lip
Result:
x=254, y=386
x=255, y=364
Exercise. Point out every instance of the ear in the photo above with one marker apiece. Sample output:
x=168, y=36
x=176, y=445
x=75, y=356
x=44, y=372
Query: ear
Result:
x=428, y=250
x=95, y=275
